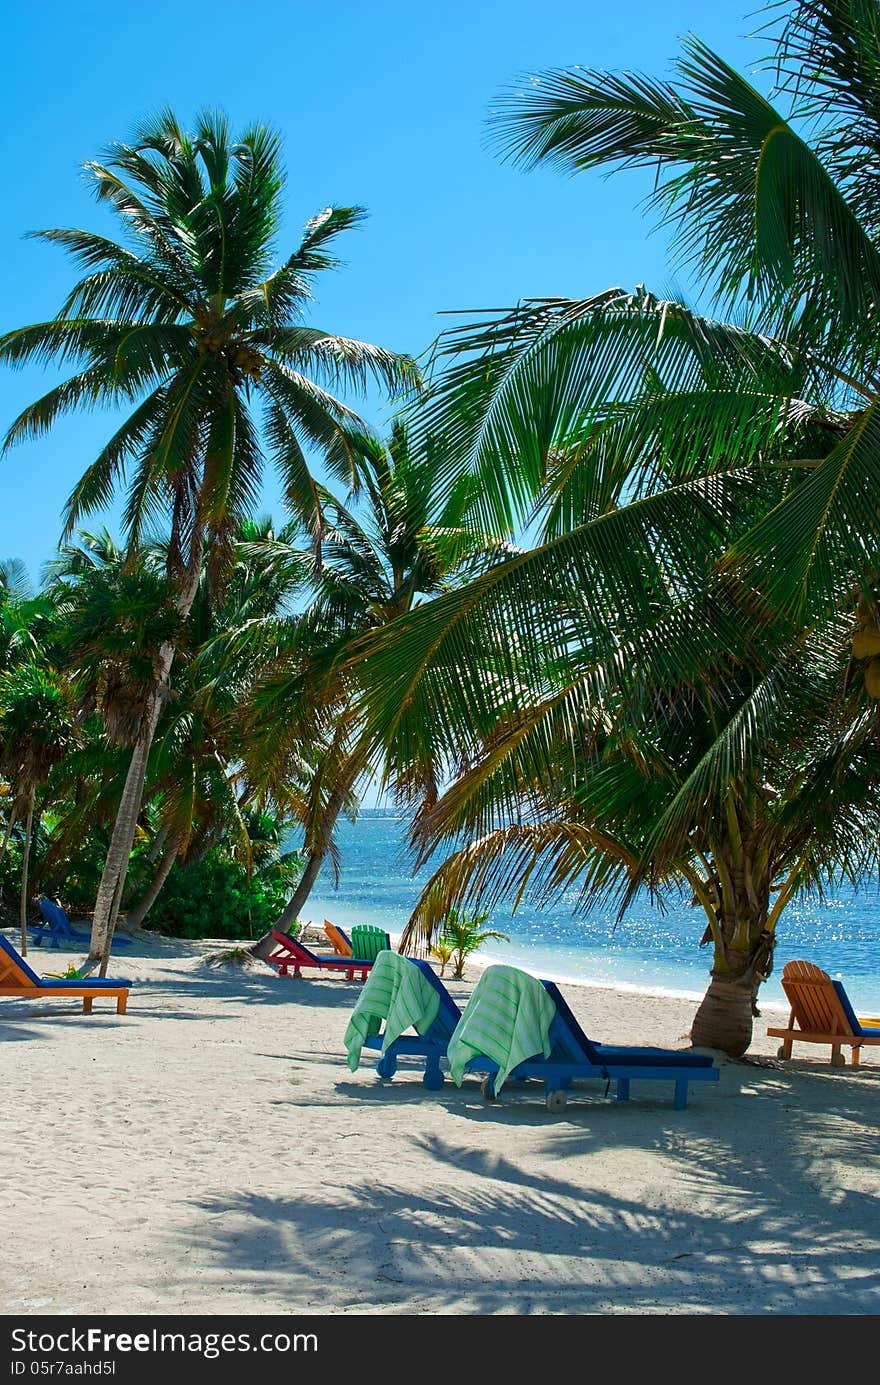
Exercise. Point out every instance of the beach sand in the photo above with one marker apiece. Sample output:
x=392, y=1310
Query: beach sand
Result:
x=210, y=1152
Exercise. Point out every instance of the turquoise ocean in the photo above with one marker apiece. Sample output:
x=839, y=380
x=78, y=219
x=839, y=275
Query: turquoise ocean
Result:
x=650, y=949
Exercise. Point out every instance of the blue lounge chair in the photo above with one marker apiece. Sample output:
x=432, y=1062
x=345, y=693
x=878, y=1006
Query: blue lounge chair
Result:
x=431, y=1044
x=58, y=931
x=574, y=1057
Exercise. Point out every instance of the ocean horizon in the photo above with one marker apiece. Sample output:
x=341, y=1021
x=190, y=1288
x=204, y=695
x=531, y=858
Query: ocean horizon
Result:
x=652, y=948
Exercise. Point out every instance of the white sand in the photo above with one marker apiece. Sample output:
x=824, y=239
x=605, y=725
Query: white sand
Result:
x=210, y=1152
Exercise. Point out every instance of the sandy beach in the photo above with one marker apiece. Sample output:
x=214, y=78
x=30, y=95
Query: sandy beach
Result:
x=210, y=1152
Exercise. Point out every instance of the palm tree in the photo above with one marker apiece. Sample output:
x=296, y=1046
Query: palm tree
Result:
x=200, y=776
x=686, y=472
x=382, y=554
x=36, y=732
x=777, y=210
x=115, y=613
x=740, y=780
x=186, y=320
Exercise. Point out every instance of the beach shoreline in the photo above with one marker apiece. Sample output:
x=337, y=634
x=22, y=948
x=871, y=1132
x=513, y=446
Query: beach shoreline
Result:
x=210, y=1152
x=478, y=961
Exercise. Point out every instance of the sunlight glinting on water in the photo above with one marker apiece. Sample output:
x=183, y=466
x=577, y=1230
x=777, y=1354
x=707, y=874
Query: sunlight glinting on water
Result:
x=648, y=950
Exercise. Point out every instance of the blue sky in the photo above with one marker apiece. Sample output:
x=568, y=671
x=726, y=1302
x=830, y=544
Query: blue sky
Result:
x=381, y=104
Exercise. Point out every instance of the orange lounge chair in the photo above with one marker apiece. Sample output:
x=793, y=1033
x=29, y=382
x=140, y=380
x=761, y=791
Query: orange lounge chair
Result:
x=338, y=940
x=822, y=1013
x=17, y=979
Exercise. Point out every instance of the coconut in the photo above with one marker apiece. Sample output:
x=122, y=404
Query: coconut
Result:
x=866, y=643
x=872, y=678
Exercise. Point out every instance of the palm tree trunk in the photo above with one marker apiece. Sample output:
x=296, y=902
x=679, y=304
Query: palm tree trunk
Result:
x=142, y=908
x=742, y=932
x=119, y=851
x=724, y=1017
x=151, y=855
x=7, y=835
x=290, y=912
x=263, y=946
x=117, y=900
x=25, y=860
x=203, y=845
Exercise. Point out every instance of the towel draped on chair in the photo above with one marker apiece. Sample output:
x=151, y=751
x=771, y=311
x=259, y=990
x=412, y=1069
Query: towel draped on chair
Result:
x=395, y=991
x=507, y=1019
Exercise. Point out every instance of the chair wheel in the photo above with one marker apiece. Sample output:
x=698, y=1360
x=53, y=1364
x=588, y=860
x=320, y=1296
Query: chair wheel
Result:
x=838, y=1060
x=556, y=1101
x=487, y=1087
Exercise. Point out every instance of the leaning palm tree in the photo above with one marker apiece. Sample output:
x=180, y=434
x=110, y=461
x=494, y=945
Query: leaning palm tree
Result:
x=665, y=451
x=115, y=612
x=382, y=554
x=187, y=323
x=199, y=779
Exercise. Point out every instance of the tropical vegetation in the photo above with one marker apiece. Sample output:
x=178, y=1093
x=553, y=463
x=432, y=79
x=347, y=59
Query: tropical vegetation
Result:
x=191, y=323
x=672, y=686
x=204, y=833
x=461, y=936
x=637, y=700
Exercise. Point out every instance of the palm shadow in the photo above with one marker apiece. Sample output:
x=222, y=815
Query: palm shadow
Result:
x=757, y=1223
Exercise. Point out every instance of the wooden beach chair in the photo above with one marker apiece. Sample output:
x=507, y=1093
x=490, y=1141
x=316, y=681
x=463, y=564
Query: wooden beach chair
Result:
x=289, y=955
x=821, y=1013
x=338, y=939
x=368, y=941
x=404, y=1011
x=493, y=1012
x=18, y=980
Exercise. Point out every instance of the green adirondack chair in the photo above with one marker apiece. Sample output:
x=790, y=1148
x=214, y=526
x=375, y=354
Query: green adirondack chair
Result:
x=367, y=941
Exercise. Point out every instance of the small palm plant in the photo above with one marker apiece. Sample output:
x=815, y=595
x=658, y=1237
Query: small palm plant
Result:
x=443, y=953
x=462, y=935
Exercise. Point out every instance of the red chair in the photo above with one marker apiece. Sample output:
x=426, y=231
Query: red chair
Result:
x=289, y=955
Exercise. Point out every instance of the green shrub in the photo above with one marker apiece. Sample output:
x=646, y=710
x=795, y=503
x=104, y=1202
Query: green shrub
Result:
x=10, y=883
x=215, y=899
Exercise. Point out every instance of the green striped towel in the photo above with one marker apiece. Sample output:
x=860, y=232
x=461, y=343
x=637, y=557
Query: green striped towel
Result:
x=395, y=991
x=506, y=1019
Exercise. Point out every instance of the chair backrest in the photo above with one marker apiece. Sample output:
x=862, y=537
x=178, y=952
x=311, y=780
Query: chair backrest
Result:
x=367, y=941
x=846, y=1007
x=295, y=948
x=815, y=1000
x=55, y=916
x=338, y=939
x=13, y=966
x=449, y=1014
x=568, y=1039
